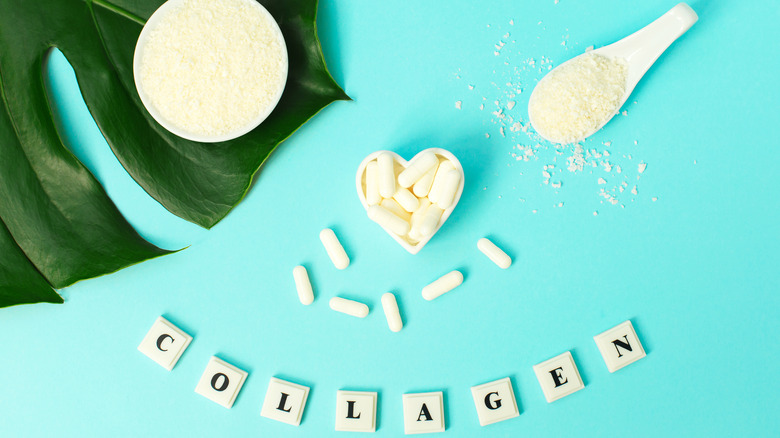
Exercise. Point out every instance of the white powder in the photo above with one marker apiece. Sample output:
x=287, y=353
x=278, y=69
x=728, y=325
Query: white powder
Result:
x=210, y=67
x=538, y=162
x=575, y=99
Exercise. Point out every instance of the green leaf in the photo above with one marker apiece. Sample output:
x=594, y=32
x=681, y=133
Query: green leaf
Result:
x=55, y=210
x=200, y=182
x=20, y=282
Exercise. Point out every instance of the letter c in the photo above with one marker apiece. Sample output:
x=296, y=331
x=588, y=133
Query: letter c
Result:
x=161, y=339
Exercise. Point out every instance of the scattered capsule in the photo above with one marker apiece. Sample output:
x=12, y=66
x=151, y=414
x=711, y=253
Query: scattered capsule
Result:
x=392, y=313
x=350, y=307
x=444, y=284
x=494, y=253
x=303, y=285
x=335, y=251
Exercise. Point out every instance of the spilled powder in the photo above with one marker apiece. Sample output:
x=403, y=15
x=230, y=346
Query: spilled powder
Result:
x=505, y=98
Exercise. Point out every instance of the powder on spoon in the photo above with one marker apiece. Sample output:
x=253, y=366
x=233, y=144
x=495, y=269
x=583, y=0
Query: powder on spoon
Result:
x=578, y=97
x=211, y=67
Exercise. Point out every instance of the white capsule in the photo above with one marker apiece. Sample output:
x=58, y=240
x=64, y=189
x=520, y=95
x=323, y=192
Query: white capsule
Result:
x=354, y=308
x=392, y=313
x=303, y=285
x=430, y=220
x=443, y=285
x=438, y=181
x=372, y=184
x=494, y=253
x=417, y=169
x=335, y=251
x=417, y=217
x=388, y=220
x=396, y=209
x=450, y=186
x=423, y=186
x=386, y=174
x=406, y=199
x=419, y=214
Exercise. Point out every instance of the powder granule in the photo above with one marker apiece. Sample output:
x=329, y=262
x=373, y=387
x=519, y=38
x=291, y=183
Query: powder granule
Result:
x=211, y=67
x=575, y=99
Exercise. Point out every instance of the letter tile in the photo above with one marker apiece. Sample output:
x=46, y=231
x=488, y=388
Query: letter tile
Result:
x=619, y=346
x=284, y=401
x=164, y=343
x=495, y=401
x=558, y=377
x=423, y=412
x=356, y=411
x=221, y=382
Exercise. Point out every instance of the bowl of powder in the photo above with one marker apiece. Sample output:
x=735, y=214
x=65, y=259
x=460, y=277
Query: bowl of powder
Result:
x=210, y=70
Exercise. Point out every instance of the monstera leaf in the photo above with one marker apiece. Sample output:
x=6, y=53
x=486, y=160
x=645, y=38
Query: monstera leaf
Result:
x=53, y=211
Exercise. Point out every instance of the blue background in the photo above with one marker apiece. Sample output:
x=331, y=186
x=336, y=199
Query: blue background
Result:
x=695, y=270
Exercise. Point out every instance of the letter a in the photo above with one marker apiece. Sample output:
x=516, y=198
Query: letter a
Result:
x=424, y=412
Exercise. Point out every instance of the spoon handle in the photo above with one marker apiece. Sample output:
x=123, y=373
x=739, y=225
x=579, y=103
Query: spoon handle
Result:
x=643, y=47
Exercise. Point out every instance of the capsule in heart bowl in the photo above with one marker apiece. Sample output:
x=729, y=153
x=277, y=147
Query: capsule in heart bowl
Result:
x=410, y=200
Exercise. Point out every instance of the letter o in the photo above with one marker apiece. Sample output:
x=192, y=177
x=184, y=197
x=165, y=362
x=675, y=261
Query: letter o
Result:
x=225, y=382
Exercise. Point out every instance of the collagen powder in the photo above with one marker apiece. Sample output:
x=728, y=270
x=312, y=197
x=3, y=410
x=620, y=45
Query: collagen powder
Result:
x=575, y=99
x=211, y=67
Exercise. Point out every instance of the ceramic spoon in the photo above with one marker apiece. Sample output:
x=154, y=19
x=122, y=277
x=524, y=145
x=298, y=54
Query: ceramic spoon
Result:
x=640, y=50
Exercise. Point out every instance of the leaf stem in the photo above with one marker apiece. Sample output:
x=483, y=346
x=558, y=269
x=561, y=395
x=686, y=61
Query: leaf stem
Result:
x=120, y=11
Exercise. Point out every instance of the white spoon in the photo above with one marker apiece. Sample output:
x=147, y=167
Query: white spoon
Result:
x=639, y=50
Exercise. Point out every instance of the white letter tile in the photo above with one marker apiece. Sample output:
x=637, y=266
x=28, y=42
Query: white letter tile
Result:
x=221, y=382
x=619, y=346
x=423, y=412
x=164, y=343
x=356, y=411
x=495, y=401
x=284, y=401
x=558, y=377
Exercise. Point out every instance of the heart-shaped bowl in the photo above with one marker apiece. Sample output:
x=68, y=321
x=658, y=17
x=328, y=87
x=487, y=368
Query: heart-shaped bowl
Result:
x=400, y=165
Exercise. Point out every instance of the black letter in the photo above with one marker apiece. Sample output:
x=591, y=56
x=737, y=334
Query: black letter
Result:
x=497, y=402
x=351, y=409
x=282, y=402
x=618, y=343
x=225, y=382
x=162, y=338
x=424, y=411
x=557, y=376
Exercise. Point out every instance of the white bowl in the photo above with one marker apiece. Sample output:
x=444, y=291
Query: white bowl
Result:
x=278, y=88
